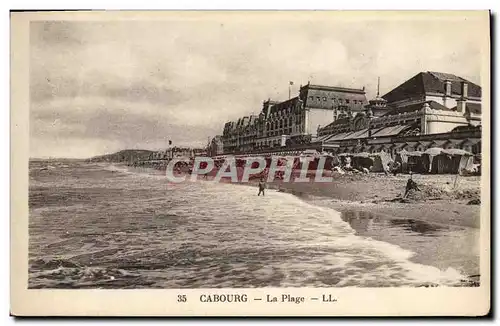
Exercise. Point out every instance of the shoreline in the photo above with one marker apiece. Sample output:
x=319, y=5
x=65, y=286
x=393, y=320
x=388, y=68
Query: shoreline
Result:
x=441, y=204
x=448, y=213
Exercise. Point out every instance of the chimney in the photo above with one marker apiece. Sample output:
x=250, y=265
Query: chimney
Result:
x=461, y=105
x=447, y=87
x=465, y=90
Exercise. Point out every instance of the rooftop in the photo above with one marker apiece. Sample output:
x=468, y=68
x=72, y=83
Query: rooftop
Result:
x=334, y=88
x=431, y=82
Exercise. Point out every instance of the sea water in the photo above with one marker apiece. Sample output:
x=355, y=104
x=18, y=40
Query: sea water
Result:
x=101, y=226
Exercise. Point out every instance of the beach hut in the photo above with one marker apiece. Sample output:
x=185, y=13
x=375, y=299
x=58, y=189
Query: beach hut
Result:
x=429, y=161
x=402, y=158
x=396, y=148
x=458, y=160
x=362, y=160
x=415, y=162
x=411, y=161
x=381, y=161
x=447, y=161
x=468, y=144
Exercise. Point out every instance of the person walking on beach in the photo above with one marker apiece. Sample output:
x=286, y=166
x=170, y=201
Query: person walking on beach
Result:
x=262, y=186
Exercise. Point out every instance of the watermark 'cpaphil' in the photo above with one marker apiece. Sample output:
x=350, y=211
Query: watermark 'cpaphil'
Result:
x=284, y=168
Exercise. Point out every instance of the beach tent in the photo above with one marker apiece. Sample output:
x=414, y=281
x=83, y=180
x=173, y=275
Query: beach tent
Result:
x=458, y=160
x=429, y=161
x=362, y=160
x=415, y=162
x=411, y=161
x=381, y=161
x=402, y=158
x=396, y=148
x=444, y=161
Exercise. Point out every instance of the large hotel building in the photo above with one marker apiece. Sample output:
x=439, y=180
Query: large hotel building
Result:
x=431, y=109
x=291, y=122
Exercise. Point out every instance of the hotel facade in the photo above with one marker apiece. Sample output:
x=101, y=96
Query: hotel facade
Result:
x=431, y=109
x=292, y=122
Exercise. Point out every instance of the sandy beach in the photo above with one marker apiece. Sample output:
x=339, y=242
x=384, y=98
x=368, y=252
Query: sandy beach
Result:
x=442, y=200
x=441, y=204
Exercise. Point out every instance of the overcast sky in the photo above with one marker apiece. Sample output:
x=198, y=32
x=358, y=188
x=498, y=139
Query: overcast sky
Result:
x=99, y=87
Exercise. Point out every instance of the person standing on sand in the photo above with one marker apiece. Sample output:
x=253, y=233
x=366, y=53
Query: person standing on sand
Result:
x=410, y=185
x=262, y=186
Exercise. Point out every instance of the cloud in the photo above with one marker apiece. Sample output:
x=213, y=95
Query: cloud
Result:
x=110, y=85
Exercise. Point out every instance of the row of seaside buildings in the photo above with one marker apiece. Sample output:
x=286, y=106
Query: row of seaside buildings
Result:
x=431, y=109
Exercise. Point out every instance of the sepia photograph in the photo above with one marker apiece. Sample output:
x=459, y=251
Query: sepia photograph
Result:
x=253, y=150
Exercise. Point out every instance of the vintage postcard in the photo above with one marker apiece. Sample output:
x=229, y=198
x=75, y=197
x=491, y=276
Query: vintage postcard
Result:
x=239, y=163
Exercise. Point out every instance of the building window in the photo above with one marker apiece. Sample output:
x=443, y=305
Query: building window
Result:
x=347, y=101
x=318, y=98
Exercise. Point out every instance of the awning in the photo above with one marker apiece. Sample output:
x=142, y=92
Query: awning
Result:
x=414, y=153
x=331, y=146
x=433, y=151
x=324, y=138
x=362, y=154
x=358, y=134
x=456, y=151
x=341, y=136
x=390, y=131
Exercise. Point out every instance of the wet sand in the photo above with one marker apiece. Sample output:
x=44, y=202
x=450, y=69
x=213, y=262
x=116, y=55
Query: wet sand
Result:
x=440, y=201
x=439, y=213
